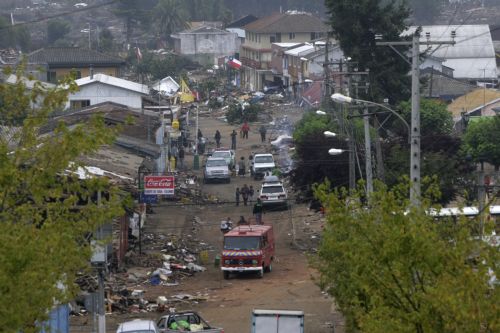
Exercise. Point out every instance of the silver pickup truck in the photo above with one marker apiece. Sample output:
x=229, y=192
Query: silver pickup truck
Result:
x=188, y=321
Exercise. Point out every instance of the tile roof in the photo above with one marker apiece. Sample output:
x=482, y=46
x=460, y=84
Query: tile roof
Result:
x=287, y=22
x=473, y=100
x=71, y=56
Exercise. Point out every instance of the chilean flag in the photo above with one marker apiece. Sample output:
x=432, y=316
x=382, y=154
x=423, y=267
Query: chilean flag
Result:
x=234, y=63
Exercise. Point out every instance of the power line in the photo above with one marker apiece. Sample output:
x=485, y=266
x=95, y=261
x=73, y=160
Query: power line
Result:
x=76, y=11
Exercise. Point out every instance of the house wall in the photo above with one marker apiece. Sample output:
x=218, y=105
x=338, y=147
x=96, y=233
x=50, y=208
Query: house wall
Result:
x=256, y=54
x=98, y=93
x=215, y=44
x=84, y=71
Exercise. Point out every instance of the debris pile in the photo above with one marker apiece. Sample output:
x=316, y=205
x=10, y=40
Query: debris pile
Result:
x=166, y=260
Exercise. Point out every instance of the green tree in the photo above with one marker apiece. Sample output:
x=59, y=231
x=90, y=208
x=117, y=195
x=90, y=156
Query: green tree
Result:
x=355, y=24
x=57, y=29
x=17, y=36
x=440, y=148
x=391, y=269
x=482, y=141
x=170, y=17
x=47, y=213
x=134, y=13
x=106, y=40
x=312, y=162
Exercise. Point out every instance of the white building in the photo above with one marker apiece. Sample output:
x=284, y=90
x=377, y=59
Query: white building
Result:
x=471, y=58
x=101, y=88
x=166, y=86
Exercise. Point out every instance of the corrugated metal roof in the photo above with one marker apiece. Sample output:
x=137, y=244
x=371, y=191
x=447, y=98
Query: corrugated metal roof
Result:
x=114, y=81
x=287, y=22
x=286, y=44
x=472, y=52
x=301, y=50
x=242, y=21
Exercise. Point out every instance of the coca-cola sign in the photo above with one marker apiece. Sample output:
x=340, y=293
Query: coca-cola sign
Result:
x=159, y=185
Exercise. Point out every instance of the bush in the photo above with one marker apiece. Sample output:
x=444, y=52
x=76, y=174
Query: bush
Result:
x=237, y=115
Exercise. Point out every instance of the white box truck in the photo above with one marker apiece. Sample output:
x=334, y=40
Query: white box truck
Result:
x=277, y=321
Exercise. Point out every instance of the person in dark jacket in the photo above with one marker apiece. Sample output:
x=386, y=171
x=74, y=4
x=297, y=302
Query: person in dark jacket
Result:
x=245, y=192
x=258, y=209
x=237, y=196
x=241, y=167
x=233, y=139
x=217, y=138
x=181, y=158
x=263, y=131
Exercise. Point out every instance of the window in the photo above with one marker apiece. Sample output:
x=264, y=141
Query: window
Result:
x=51, y=77
x=291, y=35
x=79, y=104
x=272, y=39
x=278, y=38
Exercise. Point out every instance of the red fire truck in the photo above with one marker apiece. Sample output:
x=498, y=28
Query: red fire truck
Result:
x=248, y=248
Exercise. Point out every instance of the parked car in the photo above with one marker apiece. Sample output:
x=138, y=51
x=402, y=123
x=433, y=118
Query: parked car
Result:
x=226, y=154
x=216, y=168
x=262, y=164
x=175, y=322
x=273, y=193
x=138, y=325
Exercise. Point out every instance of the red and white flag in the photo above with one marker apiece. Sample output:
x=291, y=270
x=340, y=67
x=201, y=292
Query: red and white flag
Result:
x=234, y=63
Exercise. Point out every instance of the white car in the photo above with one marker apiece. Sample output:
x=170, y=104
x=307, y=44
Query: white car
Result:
x=216, y=168
x=262, y=164
x=273, y=193
x=226, y=154
x=138, y=326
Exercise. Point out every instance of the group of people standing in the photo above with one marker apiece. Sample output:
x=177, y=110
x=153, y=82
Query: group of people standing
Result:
x=246, y=193
x=244, y=130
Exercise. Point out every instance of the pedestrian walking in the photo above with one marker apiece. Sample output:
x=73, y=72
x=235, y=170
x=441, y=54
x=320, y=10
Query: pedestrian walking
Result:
x=217, y=138
x=233, y=139
x=181, y=158
x=262, y=131
x=251, y=193
x=241, y=167
x=244, y=194
x=237, y=193
x=258, y=210
x=200, y=135
x=245, y=129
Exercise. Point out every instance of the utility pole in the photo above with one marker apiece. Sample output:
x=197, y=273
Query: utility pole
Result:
x=415, y=122
x=368, y=153
x=415, y=154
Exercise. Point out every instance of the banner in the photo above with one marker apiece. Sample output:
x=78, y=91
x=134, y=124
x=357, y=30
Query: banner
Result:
x=162, y=185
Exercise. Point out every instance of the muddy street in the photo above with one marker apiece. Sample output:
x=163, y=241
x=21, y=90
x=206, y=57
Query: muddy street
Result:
x=229, y=303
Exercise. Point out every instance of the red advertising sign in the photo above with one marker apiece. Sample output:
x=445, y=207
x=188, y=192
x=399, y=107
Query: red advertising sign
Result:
x=159, y=185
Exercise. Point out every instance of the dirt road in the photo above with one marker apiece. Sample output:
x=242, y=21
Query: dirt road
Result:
x=230, y=302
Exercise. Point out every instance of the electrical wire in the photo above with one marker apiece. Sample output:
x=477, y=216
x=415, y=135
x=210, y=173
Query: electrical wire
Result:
x=49, y=17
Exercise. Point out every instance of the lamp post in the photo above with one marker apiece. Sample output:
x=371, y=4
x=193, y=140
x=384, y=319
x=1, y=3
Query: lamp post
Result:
x=196, y=160
x=339, y=98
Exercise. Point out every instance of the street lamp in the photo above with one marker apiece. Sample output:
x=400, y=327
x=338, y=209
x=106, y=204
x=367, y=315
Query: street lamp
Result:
x=339, y=98
x=329, y=134
x=335, y=151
